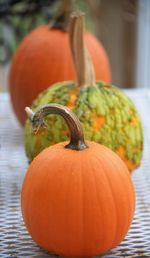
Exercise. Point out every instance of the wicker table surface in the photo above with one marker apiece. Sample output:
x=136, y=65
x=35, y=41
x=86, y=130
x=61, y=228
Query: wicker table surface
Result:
x=14, y=239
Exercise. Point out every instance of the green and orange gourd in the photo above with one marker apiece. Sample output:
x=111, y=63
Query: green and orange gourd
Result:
x=44, y=58
x=107, y=115
x=77, y=197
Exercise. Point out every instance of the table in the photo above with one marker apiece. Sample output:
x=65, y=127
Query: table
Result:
x=14, y=239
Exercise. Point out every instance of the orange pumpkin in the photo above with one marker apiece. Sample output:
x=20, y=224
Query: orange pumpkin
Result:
x=77, y=198
x=44, y=58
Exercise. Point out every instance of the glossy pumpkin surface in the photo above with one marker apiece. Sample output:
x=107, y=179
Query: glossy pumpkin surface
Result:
x=44, y=58
x=107, y=115
x=77, y=203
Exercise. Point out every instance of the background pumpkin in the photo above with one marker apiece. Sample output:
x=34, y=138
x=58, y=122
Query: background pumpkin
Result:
x=71, y=189
x=108, y=116
x=44, y=58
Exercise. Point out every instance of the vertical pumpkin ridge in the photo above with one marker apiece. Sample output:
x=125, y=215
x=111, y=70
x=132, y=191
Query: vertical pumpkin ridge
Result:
x=31, y=196
x=68, y=208
x=87, y=163
x=66, y=204
x=115, y=241
x=97, y=197
x=66, y=189
x=112, y=194
x=128, y=220
x=127, y=197
x=71, y=168
x=66, y=184
x=83, y=207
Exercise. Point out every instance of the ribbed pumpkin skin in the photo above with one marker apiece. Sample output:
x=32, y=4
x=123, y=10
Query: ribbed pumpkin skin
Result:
x=44, y=58
x=77, y=203
x=107, y=115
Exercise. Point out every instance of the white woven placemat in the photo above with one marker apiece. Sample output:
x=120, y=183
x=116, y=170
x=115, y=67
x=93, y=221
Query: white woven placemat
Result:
x=14, y=239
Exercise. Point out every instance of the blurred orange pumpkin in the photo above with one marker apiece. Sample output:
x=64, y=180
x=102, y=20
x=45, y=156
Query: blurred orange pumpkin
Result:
x=43, y=58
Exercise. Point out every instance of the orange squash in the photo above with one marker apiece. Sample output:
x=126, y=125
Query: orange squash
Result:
x=44, y=58
x=77, y=198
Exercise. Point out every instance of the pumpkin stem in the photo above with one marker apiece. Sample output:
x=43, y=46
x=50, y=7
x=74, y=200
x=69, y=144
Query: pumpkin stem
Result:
x=77, y=141
x=61, y=19
x=82, y=61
